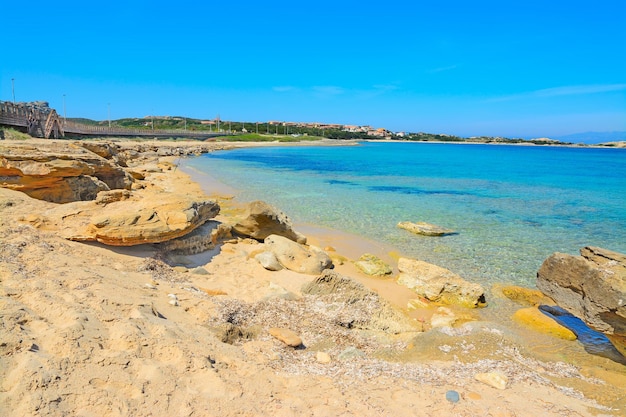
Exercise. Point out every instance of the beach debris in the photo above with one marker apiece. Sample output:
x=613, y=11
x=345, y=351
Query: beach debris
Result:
x=288, y=337
x=262, y=220
x=453, y=396
x=495, y=379
x=533, y=318
x=156, y=312
x=297, y=257
x=439, y=284
x=425, y=229
x=268, y=261
x=372, y=265
x=323, y=357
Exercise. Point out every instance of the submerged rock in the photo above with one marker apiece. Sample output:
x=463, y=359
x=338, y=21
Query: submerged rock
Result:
x=594, y=342
x=439, y=284
x=533, y=318
x=372, y=265
x=591, y=286
x=425, y=229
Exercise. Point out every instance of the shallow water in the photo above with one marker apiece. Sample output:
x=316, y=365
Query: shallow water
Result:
x=512, y=206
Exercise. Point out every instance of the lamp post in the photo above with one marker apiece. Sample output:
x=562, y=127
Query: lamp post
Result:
x=13, y=89
x=64, y=113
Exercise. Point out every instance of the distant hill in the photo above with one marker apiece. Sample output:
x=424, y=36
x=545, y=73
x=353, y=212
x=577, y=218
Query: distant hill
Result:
x=591, y=138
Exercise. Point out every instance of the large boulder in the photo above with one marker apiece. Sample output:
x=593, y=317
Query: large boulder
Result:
x=261, y=220
x=150, y=224
x=297, y=257
x=591, y=286
x=59, y=172
x=439, y=284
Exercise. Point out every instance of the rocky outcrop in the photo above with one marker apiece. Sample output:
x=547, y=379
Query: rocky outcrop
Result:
x=153, y=224
x=297, y=257
x=59, y=172
x=261, y=220
x=425, y=229
x=591, y=286
x=439, y=284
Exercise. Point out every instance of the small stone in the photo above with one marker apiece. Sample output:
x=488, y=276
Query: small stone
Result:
x=288, y=337
x=174, y=302
x=180, y=269
x=199, y=271
x=473, y=396
x=350, y=353
x=323, y=357
x=444, y=317
x=268, y=261
x=150, y=286
x=172, y=296
x=495, y=379
x=453, y=396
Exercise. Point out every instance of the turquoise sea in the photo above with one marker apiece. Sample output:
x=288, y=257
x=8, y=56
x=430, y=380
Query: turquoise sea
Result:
x=512, y=206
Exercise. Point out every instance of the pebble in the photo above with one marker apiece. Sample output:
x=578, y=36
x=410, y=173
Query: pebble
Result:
x=323, y=357
x=453, y=396
x=494, y=379
x=150, y=286
x=174, y=302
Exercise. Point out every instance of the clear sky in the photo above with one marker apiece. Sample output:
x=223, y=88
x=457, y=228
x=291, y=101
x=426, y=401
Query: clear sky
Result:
x=500, y=68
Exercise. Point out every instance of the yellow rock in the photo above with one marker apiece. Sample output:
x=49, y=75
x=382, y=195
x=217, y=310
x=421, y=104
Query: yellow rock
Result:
x=533, y=318
x=288, y=337
x=525, y=296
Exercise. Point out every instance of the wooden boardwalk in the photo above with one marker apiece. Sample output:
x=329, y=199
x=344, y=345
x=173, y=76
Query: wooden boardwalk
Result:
x=44, y=122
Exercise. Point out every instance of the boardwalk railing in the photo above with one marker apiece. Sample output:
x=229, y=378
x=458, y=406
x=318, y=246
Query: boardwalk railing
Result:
x=34, y=119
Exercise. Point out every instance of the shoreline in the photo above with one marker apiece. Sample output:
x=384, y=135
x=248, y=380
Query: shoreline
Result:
x=128, y=360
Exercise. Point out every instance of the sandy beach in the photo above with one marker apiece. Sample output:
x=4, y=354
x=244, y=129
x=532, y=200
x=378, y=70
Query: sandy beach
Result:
x=89, y=329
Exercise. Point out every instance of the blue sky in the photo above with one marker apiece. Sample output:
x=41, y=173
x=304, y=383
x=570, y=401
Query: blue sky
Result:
x=515, y=69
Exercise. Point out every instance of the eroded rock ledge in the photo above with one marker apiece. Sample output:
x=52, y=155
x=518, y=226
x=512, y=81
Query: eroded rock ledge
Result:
x=591, y=286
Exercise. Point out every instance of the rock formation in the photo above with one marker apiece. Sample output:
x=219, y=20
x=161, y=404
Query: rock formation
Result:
x=297, y=257
x=262, y=220
x=591, y=286
x=439, y=284
x=59, y=173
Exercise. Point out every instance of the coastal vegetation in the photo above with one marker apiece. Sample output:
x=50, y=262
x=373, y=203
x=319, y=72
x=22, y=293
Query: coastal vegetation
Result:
x=291, y=132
